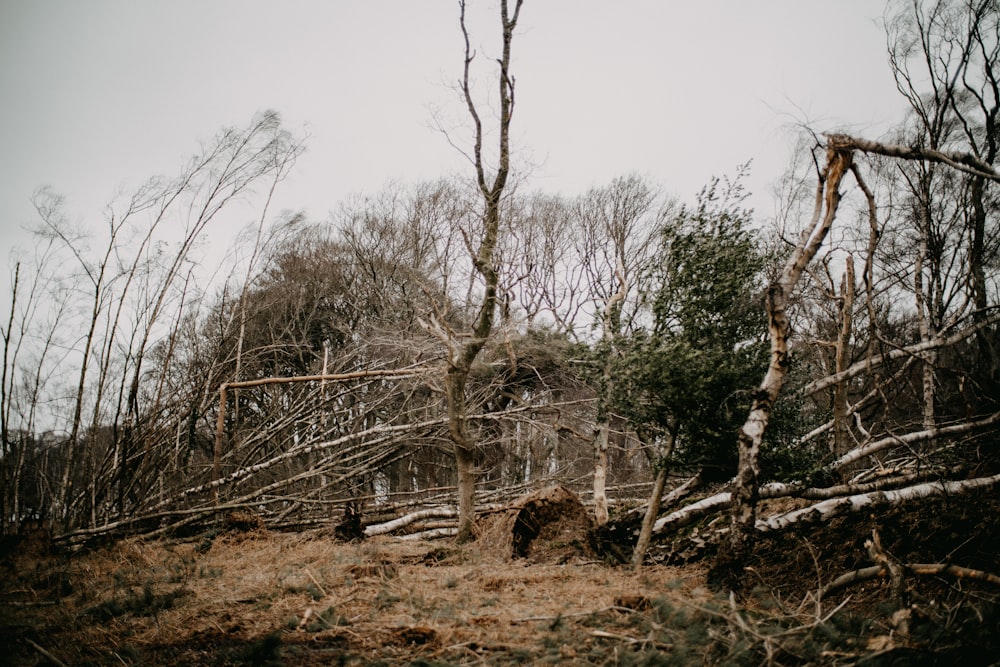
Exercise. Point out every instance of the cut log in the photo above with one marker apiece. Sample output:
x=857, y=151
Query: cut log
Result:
x=404, y=521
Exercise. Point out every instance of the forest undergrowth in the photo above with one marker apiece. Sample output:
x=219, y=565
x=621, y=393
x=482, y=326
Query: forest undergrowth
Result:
x=249, y=596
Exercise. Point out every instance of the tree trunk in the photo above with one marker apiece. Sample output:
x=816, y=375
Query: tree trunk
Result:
x=924, y=327
x=841, y=408
x=652, y=509
x=828, y=509
x=465, y=451
x=729, y=564
x=462, y=353
x=465, y=470
x=601, y=473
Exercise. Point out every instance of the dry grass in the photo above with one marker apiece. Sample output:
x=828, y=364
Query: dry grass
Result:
x=259, y=598
x=262, y=598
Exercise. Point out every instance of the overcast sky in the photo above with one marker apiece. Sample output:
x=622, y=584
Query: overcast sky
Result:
x=99, y=94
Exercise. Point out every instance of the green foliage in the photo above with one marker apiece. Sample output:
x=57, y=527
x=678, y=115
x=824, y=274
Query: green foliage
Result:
x=687, y=379
x=783, y=457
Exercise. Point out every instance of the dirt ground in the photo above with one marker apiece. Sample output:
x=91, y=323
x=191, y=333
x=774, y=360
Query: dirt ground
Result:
x=246, y=596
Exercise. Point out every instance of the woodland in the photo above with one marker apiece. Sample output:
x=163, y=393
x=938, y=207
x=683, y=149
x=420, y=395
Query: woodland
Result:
x=804, y=409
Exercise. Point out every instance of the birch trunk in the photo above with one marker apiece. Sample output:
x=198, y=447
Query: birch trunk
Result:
x=841, y=408
x=745, y=489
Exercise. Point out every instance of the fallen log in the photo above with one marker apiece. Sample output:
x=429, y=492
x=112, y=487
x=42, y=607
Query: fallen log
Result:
x=910, y=439
x=406, y=520
x=720, y=501
x=688, y=514
x=431, y=534
x=828, y=509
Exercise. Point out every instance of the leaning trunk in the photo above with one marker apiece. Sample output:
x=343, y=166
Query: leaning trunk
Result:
x=646, y=532
x=732, y=555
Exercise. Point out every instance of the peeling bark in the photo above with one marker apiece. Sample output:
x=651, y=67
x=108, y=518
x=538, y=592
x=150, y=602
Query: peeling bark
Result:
x=828, y=509
x=413, y=517
x=745, y=489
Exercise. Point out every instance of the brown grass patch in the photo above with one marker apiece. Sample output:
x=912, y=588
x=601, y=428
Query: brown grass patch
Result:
x=312, y=600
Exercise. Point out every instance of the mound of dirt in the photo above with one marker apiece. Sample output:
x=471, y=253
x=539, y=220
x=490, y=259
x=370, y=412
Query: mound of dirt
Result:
x=550, y=525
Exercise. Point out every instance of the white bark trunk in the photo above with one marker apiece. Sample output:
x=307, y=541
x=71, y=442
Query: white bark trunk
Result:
x=828, y=509
x=910, y=438
x=403, y=521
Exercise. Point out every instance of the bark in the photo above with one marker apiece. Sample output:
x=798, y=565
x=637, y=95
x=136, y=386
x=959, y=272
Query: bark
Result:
x=413, y=517
x=828, y=509
x=911, y=438
x=601, y=474
x=933, y=569
x=431, y=534
x=610, y=331
x=652, y=509
x=965, y=162
x=750, y=436
x=4, y=397
x=924, y=326
x=988, y=352
x=687, y=515
x=841, y=408
x=665, y=450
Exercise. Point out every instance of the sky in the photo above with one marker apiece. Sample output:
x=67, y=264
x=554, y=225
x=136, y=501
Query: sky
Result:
x=100, y=95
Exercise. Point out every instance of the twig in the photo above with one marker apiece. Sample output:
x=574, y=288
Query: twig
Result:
x=868, y=573
x=48, y=656
x=849, y=578
x=318, y=585
x=603, y=634
x=881, y=557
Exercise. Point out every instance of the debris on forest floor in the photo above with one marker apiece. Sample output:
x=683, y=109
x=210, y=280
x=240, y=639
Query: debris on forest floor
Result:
x=528, y=590
x=249, y=598
x=550, y=525
x=267, y=598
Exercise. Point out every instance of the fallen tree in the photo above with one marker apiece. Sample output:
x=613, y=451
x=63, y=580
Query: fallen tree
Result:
x=408, y=519
x=828, y=509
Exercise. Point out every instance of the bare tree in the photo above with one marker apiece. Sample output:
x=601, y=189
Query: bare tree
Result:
x=136, y=287
x=617, y=234
x=462, y=349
